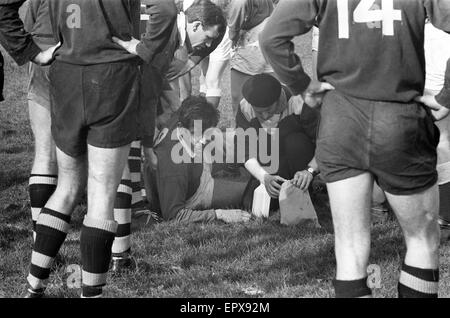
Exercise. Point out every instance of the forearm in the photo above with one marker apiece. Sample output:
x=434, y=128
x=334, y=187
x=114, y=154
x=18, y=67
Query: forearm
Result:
x=195, y=216
x=313, y=164
x=162, y=16
x=290, y=19
x=213, y=79
x=18, y=43
x=256, y=170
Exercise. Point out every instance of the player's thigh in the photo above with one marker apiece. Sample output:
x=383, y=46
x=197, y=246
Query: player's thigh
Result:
x=40, y=121
x=416, y=213
x=106, y=165
x=350, y=204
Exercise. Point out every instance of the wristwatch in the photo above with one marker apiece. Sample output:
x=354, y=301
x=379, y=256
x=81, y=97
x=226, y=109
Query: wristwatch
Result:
x=312, y=171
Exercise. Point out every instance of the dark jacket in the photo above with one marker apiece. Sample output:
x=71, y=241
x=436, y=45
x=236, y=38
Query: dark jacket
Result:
x=13, y=37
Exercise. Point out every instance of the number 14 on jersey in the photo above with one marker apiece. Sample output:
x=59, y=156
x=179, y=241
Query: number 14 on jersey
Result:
x=368, y=11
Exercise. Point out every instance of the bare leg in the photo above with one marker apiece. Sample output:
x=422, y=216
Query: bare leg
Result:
x=418, y=215
x=350, y=205
x=106, y=167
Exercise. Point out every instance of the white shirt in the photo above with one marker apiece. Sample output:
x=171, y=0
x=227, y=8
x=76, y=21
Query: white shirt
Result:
x=437, y=53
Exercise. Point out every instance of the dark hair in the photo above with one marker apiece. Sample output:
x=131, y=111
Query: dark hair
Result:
x=208, y=14
x=197, y=108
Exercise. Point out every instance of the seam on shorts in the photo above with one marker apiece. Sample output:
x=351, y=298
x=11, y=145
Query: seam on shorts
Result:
x=370, y=135
x=339, y=176
x=112, y=145
x=83, y=97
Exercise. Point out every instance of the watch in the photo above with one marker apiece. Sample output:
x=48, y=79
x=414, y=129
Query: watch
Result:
x=312, y=171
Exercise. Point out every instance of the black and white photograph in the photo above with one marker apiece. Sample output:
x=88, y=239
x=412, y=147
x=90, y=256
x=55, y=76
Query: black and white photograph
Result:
x=225, y=154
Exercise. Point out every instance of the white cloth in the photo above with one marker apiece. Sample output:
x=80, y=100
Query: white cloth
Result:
x=223, y=50
x=437, y=53
x=315, y=39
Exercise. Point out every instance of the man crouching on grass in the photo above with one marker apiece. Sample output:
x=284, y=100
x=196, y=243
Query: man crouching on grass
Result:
x=185, y=189
x=94, y=89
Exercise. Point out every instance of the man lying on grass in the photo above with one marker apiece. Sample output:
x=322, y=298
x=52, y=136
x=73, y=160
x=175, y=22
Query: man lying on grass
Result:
x=184, y=189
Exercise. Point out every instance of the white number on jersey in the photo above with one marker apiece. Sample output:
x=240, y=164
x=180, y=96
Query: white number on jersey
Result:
x=365, y=13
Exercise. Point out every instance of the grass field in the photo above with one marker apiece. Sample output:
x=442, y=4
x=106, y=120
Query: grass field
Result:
x=259, y=259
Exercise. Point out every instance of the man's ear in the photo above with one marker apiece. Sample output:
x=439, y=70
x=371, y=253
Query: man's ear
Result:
x=196, y=25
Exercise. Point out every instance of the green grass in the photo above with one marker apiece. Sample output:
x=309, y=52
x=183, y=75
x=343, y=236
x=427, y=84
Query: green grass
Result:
x=259, y=259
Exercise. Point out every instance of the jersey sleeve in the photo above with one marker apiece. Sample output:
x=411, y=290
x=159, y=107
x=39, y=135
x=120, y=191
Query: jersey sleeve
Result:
x=290, y=18
x=13, y=37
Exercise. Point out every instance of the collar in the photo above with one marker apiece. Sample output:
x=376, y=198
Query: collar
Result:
x=181, y=24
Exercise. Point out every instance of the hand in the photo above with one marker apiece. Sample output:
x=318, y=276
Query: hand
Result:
x=233, y=216
x=130, y=46
x=315, y=92
x=151, y=160
x=439, y=112
x=302, y=180
x=46, y=57
x=273, y=185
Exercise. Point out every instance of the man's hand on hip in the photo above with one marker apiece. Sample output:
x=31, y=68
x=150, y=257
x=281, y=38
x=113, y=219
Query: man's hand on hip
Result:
x=315, y=92
x=47, y=56
x=130, y=46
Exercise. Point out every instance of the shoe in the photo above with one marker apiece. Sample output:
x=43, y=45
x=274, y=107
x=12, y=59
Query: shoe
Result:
x=34, y=293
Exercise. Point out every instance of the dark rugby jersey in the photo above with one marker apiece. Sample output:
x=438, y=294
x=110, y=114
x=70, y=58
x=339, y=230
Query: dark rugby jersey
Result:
x=85, y=29
x=369, y=49
x=37, y=23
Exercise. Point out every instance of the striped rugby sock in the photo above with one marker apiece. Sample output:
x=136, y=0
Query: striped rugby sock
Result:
x=51, y=231
x=96, y=241
x=41, y=188
x=134, y=163
x=418, y=283
x=122, y=215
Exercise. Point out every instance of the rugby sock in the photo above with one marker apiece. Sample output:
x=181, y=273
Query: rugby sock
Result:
x=418, y=283
x=122, y=215
x=96, y=241
x=41, y=188
x=134, y=163
x=351, y=288
x=51, y=231
x=444, y=199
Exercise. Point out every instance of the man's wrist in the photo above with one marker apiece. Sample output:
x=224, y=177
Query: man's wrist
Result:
x=312, y=171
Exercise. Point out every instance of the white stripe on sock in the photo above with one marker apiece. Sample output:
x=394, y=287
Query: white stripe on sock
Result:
x=91, y=279
x=121, y=244
x=35, y=213
x=124, y=189
x=122, y=216
x=41, y=260
x=43, y=180
x=53, y=222
x=418, y=284
x=36, y=283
